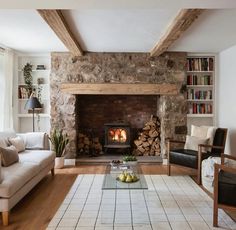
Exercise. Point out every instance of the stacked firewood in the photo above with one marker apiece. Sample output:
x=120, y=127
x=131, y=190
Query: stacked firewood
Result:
x=148, y=142
x=89, y=145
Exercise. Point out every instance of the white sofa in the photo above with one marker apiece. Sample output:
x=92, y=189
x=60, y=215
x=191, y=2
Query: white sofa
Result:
x=19, y=178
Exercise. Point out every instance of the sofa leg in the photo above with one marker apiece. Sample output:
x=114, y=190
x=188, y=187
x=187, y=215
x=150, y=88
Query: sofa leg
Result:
x=5, y=218
x=168, y=169
x=53, y=172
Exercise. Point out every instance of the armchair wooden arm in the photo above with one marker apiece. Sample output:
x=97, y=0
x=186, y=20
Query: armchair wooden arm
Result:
x=211, y=146
x=228, y=156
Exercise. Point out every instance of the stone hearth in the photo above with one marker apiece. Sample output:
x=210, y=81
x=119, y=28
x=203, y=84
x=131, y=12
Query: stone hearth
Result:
x=120, y=68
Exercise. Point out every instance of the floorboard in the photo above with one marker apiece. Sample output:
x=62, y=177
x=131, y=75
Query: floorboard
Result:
x=37, y=208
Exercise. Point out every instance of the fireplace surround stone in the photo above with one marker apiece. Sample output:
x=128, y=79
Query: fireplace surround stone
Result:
x=122, y=68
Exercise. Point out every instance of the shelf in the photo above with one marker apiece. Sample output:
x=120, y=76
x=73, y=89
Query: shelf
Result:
x=30, y=115
x=200, y=71
x=36, y=70
x=26, y=99
x=199, y=115
x=200, y=100
x=199, y=86
x=23, y=84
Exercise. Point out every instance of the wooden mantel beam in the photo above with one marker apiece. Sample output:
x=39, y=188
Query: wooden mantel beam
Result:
x=178, y=26
x=57, y=22
x=119, y=89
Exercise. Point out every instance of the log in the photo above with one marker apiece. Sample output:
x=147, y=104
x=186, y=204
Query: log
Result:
x=145, y=144
x=150, y=123
x=153, y=133
x=141, y=149
x=138, y=142
x=147, y=127
x=96, y=140
x=81, y=135
x=150, y=141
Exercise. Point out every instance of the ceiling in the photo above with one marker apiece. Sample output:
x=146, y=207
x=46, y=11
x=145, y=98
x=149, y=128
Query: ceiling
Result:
x=118, y=30
x=26, y=31
x=116, y=26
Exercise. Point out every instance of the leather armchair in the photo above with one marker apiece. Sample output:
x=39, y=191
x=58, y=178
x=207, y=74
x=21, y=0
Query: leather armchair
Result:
x=224, y=187
x=193, y=159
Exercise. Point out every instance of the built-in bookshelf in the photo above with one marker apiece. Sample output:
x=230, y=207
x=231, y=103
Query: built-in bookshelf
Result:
x=200, y=89
x=40, y=73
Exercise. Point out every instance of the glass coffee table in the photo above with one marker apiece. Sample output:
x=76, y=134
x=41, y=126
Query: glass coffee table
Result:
x=114, y=170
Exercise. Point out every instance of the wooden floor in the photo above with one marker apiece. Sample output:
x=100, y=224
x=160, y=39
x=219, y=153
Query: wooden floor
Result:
x=37, y=208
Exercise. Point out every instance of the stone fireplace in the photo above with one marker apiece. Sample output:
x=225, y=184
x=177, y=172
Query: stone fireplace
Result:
x=147, y=85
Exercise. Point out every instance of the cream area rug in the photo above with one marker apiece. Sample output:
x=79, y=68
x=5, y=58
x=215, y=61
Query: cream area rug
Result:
x=175, y=202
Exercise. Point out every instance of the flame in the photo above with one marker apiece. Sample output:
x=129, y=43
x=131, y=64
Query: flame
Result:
x=118, y=135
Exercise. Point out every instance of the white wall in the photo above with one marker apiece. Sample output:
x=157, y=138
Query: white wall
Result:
x=226, y=96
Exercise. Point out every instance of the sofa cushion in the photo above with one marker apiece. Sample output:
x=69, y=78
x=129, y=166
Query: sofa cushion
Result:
x=227, y=188
x=15, y=177
x=9, y=155
x=184, y=157
x=39, y=157
x=18, y=142
x=3, y=143
x=35, y=140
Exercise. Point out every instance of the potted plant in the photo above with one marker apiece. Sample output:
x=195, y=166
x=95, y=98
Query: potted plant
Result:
x=27, y=72
x=59, y=142
x=130, y=160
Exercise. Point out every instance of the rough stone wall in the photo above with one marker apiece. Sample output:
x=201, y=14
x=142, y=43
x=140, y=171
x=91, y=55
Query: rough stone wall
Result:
x=118, y=68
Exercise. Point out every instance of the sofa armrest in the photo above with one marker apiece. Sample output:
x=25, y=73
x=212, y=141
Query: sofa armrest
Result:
x=35, y=140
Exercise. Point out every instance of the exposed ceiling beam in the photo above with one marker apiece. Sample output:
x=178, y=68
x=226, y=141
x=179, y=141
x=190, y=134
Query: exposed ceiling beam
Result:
x=57, y=22
x=178, y=26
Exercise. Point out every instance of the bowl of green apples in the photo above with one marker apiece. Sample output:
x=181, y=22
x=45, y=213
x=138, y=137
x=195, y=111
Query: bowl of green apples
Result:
x=127, y=177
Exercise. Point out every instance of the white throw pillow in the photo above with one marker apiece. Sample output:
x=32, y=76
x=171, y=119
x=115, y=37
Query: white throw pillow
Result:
x=3, y=143
x=18, y=143
x=211, y=133
x=193, y=142
x=199, y=131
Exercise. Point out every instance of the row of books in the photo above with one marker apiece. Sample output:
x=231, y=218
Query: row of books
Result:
x=200, y=108
x=193, y=94
x=199, y=80
x=200, y=64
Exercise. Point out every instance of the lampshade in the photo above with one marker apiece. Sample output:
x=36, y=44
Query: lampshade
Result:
x=33, y=103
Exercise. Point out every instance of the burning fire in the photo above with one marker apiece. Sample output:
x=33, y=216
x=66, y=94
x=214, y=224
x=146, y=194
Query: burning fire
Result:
x=118, y=135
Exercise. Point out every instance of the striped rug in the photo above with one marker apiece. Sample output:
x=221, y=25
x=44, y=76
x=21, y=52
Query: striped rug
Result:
x=175, y=202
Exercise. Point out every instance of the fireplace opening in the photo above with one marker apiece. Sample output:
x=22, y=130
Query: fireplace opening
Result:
x=114, y=120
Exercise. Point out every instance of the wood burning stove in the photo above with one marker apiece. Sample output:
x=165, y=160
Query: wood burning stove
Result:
x=117, y=135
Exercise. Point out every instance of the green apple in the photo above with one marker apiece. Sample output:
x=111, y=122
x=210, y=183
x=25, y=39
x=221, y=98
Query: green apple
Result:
x=134, y=178
x=128, y=178
x=122, y=177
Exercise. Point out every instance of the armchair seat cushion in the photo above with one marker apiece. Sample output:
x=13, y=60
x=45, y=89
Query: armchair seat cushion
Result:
x=184, y=157
x=227, y=188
